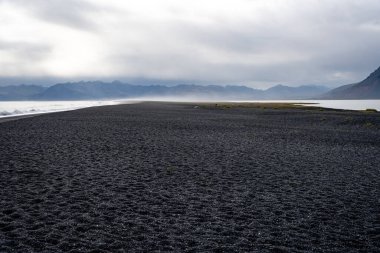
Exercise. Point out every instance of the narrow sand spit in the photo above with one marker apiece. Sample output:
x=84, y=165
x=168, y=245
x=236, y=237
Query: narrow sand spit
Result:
x=180, y=177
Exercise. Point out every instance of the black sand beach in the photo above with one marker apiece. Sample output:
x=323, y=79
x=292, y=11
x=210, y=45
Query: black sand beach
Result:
x=176, y=177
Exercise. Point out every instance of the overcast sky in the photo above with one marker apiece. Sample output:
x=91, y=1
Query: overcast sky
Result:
x=253, y=42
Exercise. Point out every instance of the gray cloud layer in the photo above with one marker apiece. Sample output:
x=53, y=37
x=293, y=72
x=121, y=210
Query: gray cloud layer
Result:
x=254, y=42
x=72, y=13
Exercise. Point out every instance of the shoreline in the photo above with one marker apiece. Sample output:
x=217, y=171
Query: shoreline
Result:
x=214, y=104
x=18, y=117
x=218, y=104
x=28, y=115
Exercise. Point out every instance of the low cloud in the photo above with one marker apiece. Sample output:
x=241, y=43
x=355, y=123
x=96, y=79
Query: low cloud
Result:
x=252, y=42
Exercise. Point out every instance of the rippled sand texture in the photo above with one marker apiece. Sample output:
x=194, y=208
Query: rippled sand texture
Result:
x=170, y=177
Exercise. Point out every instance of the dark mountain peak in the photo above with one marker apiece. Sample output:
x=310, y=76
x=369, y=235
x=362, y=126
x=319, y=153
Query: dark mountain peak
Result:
x=369, y=88
x=376, y=72
x=374, y=75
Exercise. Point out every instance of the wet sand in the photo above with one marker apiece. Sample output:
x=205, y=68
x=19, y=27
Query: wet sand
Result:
x=11, y=118
x=185, y=178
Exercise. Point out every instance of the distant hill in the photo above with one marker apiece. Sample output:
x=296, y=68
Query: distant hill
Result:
x=301, y=92
x=19, y=92
x=93, y=90
x=118, y=90
x=369, y=88
x=101, y=90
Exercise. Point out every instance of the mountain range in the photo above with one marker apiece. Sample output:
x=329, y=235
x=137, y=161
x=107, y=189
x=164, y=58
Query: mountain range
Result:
x=118, y=90
x=95, y=90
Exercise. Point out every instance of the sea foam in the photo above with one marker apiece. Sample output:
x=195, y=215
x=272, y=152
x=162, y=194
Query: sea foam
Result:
x=18, y=108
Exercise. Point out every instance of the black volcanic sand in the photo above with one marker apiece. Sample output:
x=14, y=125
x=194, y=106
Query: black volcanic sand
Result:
x=177, y=177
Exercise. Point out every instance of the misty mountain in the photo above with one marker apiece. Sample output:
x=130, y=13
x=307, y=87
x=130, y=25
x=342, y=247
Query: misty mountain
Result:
x=301, y=92
x=95, y=90
x=369, y=88
x=213, y=92
x=118, y=90
x=19, y=92
x=101, y=90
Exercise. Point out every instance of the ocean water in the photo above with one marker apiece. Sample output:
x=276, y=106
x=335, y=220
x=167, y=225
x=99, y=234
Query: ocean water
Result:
x=17, y=108
x=348, y=104
x=334, y=104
